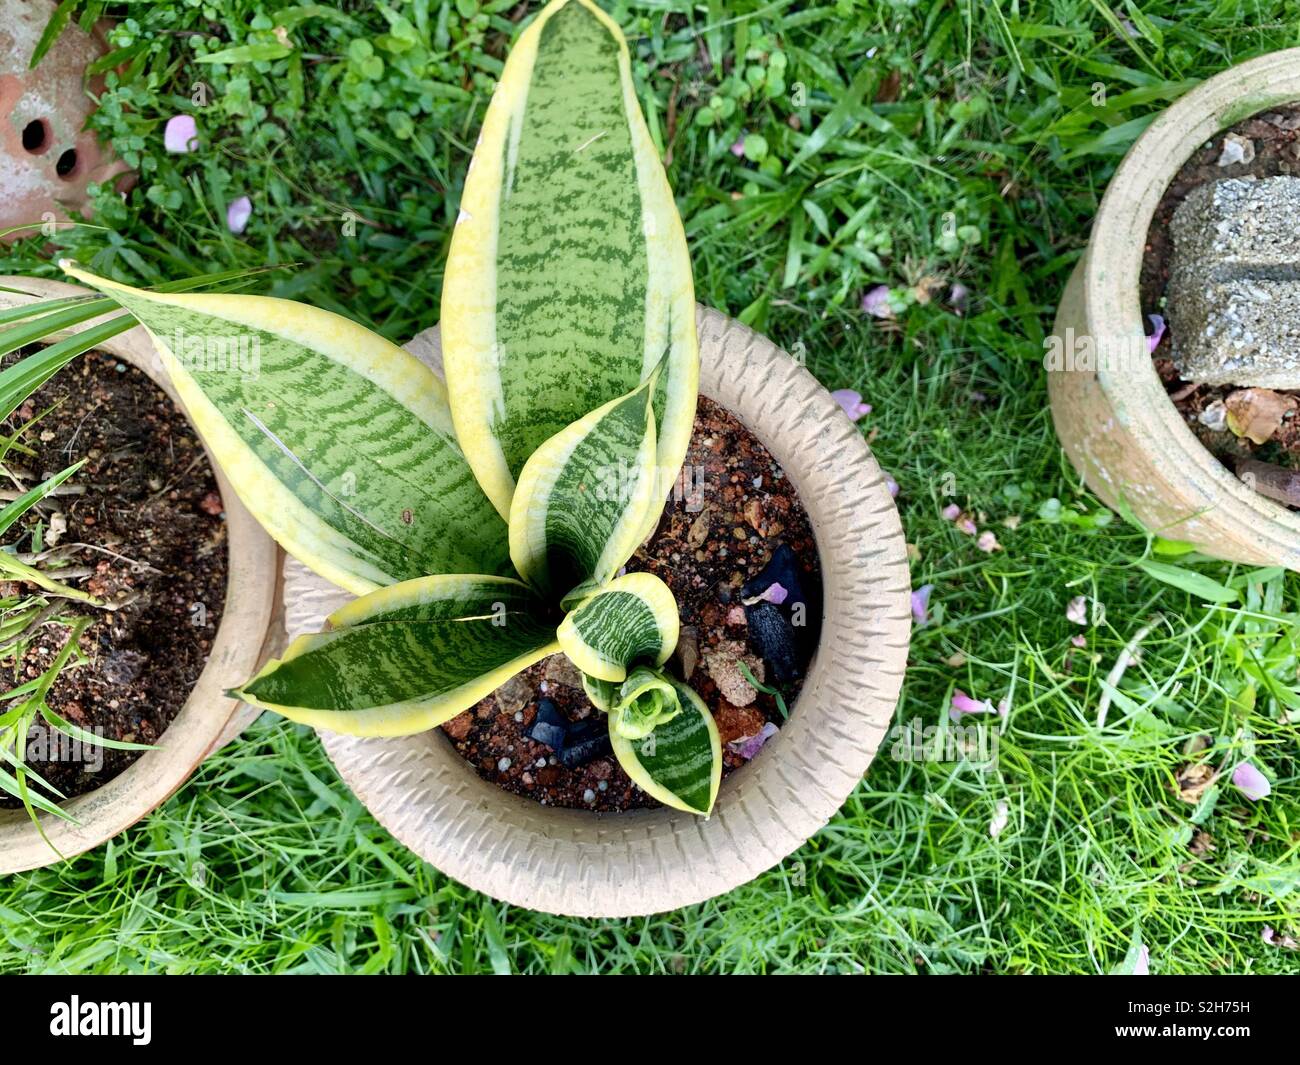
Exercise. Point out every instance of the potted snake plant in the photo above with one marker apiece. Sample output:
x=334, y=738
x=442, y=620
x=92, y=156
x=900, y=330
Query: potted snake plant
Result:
x=464, y=515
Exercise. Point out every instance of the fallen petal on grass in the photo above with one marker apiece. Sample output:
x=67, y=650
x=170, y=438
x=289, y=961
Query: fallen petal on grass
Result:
x=238, y=214
x=921, y=604
x=181, y=134
x=1248, y=780
x=875, y=302
x=851, y=403
x=1001, y=815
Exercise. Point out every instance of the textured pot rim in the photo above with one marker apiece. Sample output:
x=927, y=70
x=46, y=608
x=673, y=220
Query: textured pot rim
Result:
x=1113, y=264
x=252, y=576
x=583, y=864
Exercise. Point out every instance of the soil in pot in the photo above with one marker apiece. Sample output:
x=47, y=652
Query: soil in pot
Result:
x=143, y=531
x=734, y=526
x=1273, y=137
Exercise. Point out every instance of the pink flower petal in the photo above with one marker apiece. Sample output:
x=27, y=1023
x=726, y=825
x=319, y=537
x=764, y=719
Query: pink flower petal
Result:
x=1142, y=967
x=964, y=704
x=238, y=214
x=1004, y=708
x=775, y=593
x=1000, y=818
x=180, y=134
x=851, y=403
x=951, y=512
x=965, y=525
x=1077, y=611
x=1274, y=940
x=957, y=296
x=988, y=542
x=748, y=746
x=1251, y=782
x=921, y=604
x=1079, y=640
x=738, y=148
x=1157, y=331
x=892, y=485
x=875, y=302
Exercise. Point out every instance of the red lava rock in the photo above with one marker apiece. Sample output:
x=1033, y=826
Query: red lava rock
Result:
x=212, y=504
x=458, y=727
x=737, y=721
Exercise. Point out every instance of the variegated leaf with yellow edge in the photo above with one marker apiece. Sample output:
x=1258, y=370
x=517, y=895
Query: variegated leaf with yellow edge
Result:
x=568, y=279
x=339, y=442
x=587, y=497
x=679, y=762
x=631, y=619
x=407, y=658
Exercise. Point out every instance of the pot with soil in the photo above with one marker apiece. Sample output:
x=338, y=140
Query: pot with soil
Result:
x=1193, y=429
x=537, y=817
x=532, y=669
x=179, y=582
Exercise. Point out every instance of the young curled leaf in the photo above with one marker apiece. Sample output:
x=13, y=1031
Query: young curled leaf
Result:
x=646, y=700
x=587, y=497
x=406, y=658
x=633, y=618
x=680, y=761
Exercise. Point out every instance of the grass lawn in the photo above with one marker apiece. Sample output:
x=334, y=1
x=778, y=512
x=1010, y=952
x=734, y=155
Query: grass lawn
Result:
x=913, y=144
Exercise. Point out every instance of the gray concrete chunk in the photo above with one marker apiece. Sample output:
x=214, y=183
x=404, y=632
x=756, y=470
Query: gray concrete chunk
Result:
x=1234, y=283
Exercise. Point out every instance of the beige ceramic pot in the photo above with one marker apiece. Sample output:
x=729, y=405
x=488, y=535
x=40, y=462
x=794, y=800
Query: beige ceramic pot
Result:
x=208, y=716
x=618, y=865
x=1116, y=423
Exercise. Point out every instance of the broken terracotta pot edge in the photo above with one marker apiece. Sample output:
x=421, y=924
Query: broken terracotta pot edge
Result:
x=237, y=650
x=586, y=864
x=1117, y=425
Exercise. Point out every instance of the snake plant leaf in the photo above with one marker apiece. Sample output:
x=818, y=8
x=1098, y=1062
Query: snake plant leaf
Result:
x=408, y=657
x=602, y=693
x=633, y=618
x=339, y=442
x=587, y=497
x=568, y=278
x=645, y=700
x=680, y=762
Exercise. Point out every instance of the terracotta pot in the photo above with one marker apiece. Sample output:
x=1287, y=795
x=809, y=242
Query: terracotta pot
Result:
x=616, y=865
x=47, y=156
x=237, y=650
x=1118, y=426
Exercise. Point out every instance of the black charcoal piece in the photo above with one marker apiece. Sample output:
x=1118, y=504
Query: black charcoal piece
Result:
x=550, y=727
x=773, y=637
x=783, y=569
x=587, y=741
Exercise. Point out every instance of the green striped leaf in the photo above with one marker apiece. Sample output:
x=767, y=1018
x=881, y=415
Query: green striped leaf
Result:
x=680, y=762
x=602, y=693
x=339, y=442
x=406, y=658
x=632, y=619
x=568, y=278
x=587, y=497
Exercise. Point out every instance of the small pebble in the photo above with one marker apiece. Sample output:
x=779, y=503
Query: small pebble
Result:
x=603, y=785
x=503, y=765
x=588, y=796
x=541, y=763
x=519, y=715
